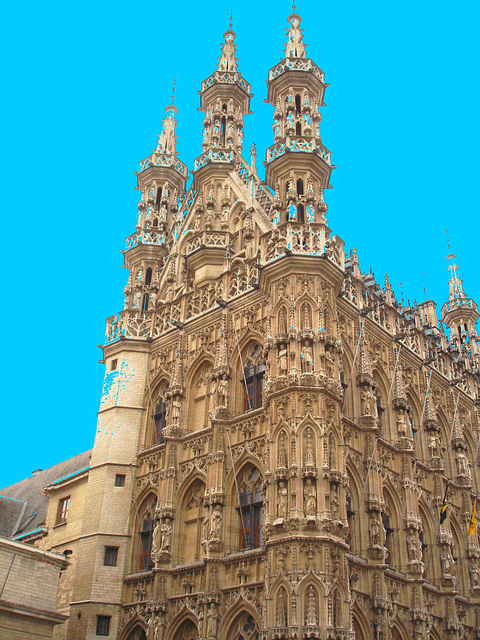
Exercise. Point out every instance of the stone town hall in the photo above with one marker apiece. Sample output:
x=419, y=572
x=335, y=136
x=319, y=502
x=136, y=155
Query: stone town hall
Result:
x=277, y=435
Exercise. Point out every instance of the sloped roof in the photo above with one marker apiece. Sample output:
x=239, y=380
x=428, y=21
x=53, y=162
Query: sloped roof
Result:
x=23, y=506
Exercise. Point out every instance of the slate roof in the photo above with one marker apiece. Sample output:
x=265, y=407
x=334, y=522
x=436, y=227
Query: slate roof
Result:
x=23, y=507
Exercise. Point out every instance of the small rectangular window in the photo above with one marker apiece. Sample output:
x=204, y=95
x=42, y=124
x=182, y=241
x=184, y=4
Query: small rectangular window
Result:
x=62, y=512
x=103, y=625
x=111, y=555
x=120, y=480
x=113, y=364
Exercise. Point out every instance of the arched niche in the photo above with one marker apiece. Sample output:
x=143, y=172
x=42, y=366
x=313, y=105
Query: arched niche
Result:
x=137, y=633
x=250, y=375
x=391, y=519
x=190, y=521
x=243, y=627
x=356, y=518
x=199, y=389
x=142, y=543
x=187, y=630
x=427, y=536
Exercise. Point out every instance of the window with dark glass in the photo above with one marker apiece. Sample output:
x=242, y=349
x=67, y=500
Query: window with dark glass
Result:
x=145, y=302
x=251, y=509
x=299, y=187
x=148, y=273
x=254, y=384
x=388, y=537
x=160, y=417
x=159, y=197
x=110, y=558
x=120, y=480
x=113, y=364
x=103, y=625
x=298, y=107
x=301, y=213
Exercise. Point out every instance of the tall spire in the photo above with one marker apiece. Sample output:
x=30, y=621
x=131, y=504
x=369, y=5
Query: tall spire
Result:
x=167, y=138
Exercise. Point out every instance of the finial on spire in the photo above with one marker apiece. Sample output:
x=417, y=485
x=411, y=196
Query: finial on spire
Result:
x=167, y=138
x=295, y=47
x=173, y=91
x=455, y=283
x=227, y=61
x=231, y=18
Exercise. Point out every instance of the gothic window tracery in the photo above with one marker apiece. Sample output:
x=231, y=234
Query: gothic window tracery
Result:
x=253, y=380
x=251, y=508
x=244, y=627
x=200, y=400
x=186, y=631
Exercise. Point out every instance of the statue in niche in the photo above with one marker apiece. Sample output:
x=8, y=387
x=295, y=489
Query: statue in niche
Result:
x=166, y=530
x=281, y=615
x=282, y=500
x=206, y=524
x=402, y=429
x=334, y=502
x=474, y=571
x=414, y=550
x=329, y=363
x=216, y=523
x=282, y=321
x=151, y=627
x=282, y=360
x=461, y=462
x=282, y=452
x=156, y=538
x=212, y=617
x=222, y=391
x=434, y=445
x=175, y=409
x=447, y=563
x=309, y=498
x=306, y=318
x=369, y=403
x=375, y=530
x=309, y=460
x=307, y=357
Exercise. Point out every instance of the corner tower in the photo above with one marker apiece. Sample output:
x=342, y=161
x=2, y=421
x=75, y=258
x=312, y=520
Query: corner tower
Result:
x=298, y=165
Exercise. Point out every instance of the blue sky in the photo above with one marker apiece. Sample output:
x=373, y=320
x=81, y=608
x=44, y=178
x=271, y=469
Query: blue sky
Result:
x=85, y=91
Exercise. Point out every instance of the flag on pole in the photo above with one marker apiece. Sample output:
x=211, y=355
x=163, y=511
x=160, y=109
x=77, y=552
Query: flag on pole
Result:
x=473, y=519
x=443, y=510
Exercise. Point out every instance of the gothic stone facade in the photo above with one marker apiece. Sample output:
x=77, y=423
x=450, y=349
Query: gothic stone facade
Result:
x=286, y=431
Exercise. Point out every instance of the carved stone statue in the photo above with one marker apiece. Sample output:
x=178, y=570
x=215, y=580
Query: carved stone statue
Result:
x=309, y=498
x=166, y=530
x=307, y=358
x=206, y=525
x=175, y=409
x=212, y=617
x=402, y=429
x=434, y=445
x=216, y=523
x=369, y=403
x=223, y=391
x=329, y=363
x=160, y=625
x=414, y=549
x=375, y=530
x=334, y=502
x=461, y=462
x=282, y=500
x=282, y=360
x=156, y=538
x=474, y=571
x=447, y=562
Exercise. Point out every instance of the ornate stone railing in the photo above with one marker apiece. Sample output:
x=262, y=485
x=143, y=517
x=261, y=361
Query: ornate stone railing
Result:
x=213, y=156
x=299, y=64
x=145, y=237
x=226, y=77
x=163, y=160
x=302, y=239
x=459, y=303
x=208, y=239
x=298, y=145
x=115, y=329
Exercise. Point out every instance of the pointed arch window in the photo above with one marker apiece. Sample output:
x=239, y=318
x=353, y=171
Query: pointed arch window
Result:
x=223, y=130
x=158, y=198
x=389, y=531
x=253, y=380
x=298, y=104
x=298, y=129
x=250, y=508
x=300, y=213
x=160, y=419
x=148, y=275
x=193, y=517
x=300, y=187
x=145, y=302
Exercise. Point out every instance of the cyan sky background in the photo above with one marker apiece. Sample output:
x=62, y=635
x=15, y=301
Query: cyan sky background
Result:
x=86, y=86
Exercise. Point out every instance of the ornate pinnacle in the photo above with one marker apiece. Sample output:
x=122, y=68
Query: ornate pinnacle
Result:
x=399, y=391
x=295, y=47
x=167, y=138
x=227, y=61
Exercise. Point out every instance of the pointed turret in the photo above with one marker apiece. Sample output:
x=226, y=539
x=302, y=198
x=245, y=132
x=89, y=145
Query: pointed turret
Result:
x=460, y=314
x=225, y=99
x=296, y=86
